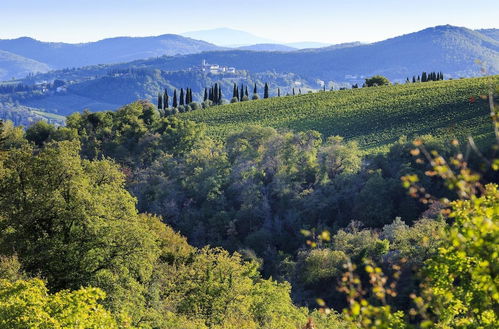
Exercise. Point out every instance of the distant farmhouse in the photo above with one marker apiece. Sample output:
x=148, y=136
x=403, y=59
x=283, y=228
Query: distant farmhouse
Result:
x=216, y=69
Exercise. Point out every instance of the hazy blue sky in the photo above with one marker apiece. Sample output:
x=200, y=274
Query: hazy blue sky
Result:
x=281, y=20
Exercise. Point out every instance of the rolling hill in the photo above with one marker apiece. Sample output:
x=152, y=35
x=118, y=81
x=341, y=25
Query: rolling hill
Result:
x=492, y=33
x=268, y=47
x=14, y=66
x=450, y=49
x=119, y=87
x=227, y=37
x=113, y=50
x=374, y=117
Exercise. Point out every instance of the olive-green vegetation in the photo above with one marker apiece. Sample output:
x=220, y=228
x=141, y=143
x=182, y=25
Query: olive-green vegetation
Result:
x=374, y=117
x=70, y=222
x=147, y=221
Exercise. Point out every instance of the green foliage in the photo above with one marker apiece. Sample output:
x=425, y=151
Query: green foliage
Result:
x=27, y=304
x=322, y=264
x=72, y=222
x=377, y=80
x=462, y=277
x=135, y=131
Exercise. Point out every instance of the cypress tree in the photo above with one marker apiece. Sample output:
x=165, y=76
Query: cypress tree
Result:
x=299, y=91
x=419, y=78
x=234, y=91
x=278, y=92
x=181, y=96
x=424, y=77
x=413, y=79
x=255, y=90
x=160, y=101
x=205, y=97
x=241, y=93
x=215, y=94
x=294, y=92
x=210, y=94
x=266, y=91
x=246, y=92
x=219, y=94
x=175, y=103
x=166, y=100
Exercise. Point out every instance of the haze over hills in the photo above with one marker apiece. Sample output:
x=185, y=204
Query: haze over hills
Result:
x=106, y=51
x=227, y=37
x=268, y=47
x=492, y=33
x=450, y=49
x=236, y=38
x=13, y=65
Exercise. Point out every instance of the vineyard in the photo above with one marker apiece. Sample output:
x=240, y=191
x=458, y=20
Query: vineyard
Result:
x=374, y=117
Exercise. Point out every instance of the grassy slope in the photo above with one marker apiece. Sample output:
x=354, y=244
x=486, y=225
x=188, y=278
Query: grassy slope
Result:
x=52, y=116
x=375, y=117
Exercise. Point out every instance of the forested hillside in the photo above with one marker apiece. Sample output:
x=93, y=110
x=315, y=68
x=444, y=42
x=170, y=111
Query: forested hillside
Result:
x=118, y=87
x=95, y=207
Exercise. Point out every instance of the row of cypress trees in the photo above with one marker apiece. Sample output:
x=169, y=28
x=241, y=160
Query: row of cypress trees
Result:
x=212, y=94
x=185, y=98
x=242, y=94
x=425, y=77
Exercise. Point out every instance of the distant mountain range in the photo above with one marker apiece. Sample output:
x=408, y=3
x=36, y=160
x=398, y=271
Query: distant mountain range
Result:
x=450, y=49
x=231, y=38
x=227, y=37
x=114, y=50
x=268, y=47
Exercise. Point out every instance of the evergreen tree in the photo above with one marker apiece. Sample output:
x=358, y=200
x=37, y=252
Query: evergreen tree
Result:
x=241, y=93
x=182, y=96
x=299, y=91
x=160, y=101
x=419, y=79
x=210, y=94
x=246, y=92
x=407, y=80
x=413, y=79
x=266, y=91
x=234, y=91
x=175, y=103
x=205, y=97
x=294, y=92
x=166, y=100
x=215, y=94
x=219, y=94
x=255, y=90
x=424, y=77
x=278, y=92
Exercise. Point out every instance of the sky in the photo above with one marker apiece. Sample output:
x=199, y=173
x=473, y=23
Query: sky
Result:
x=329, y=21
